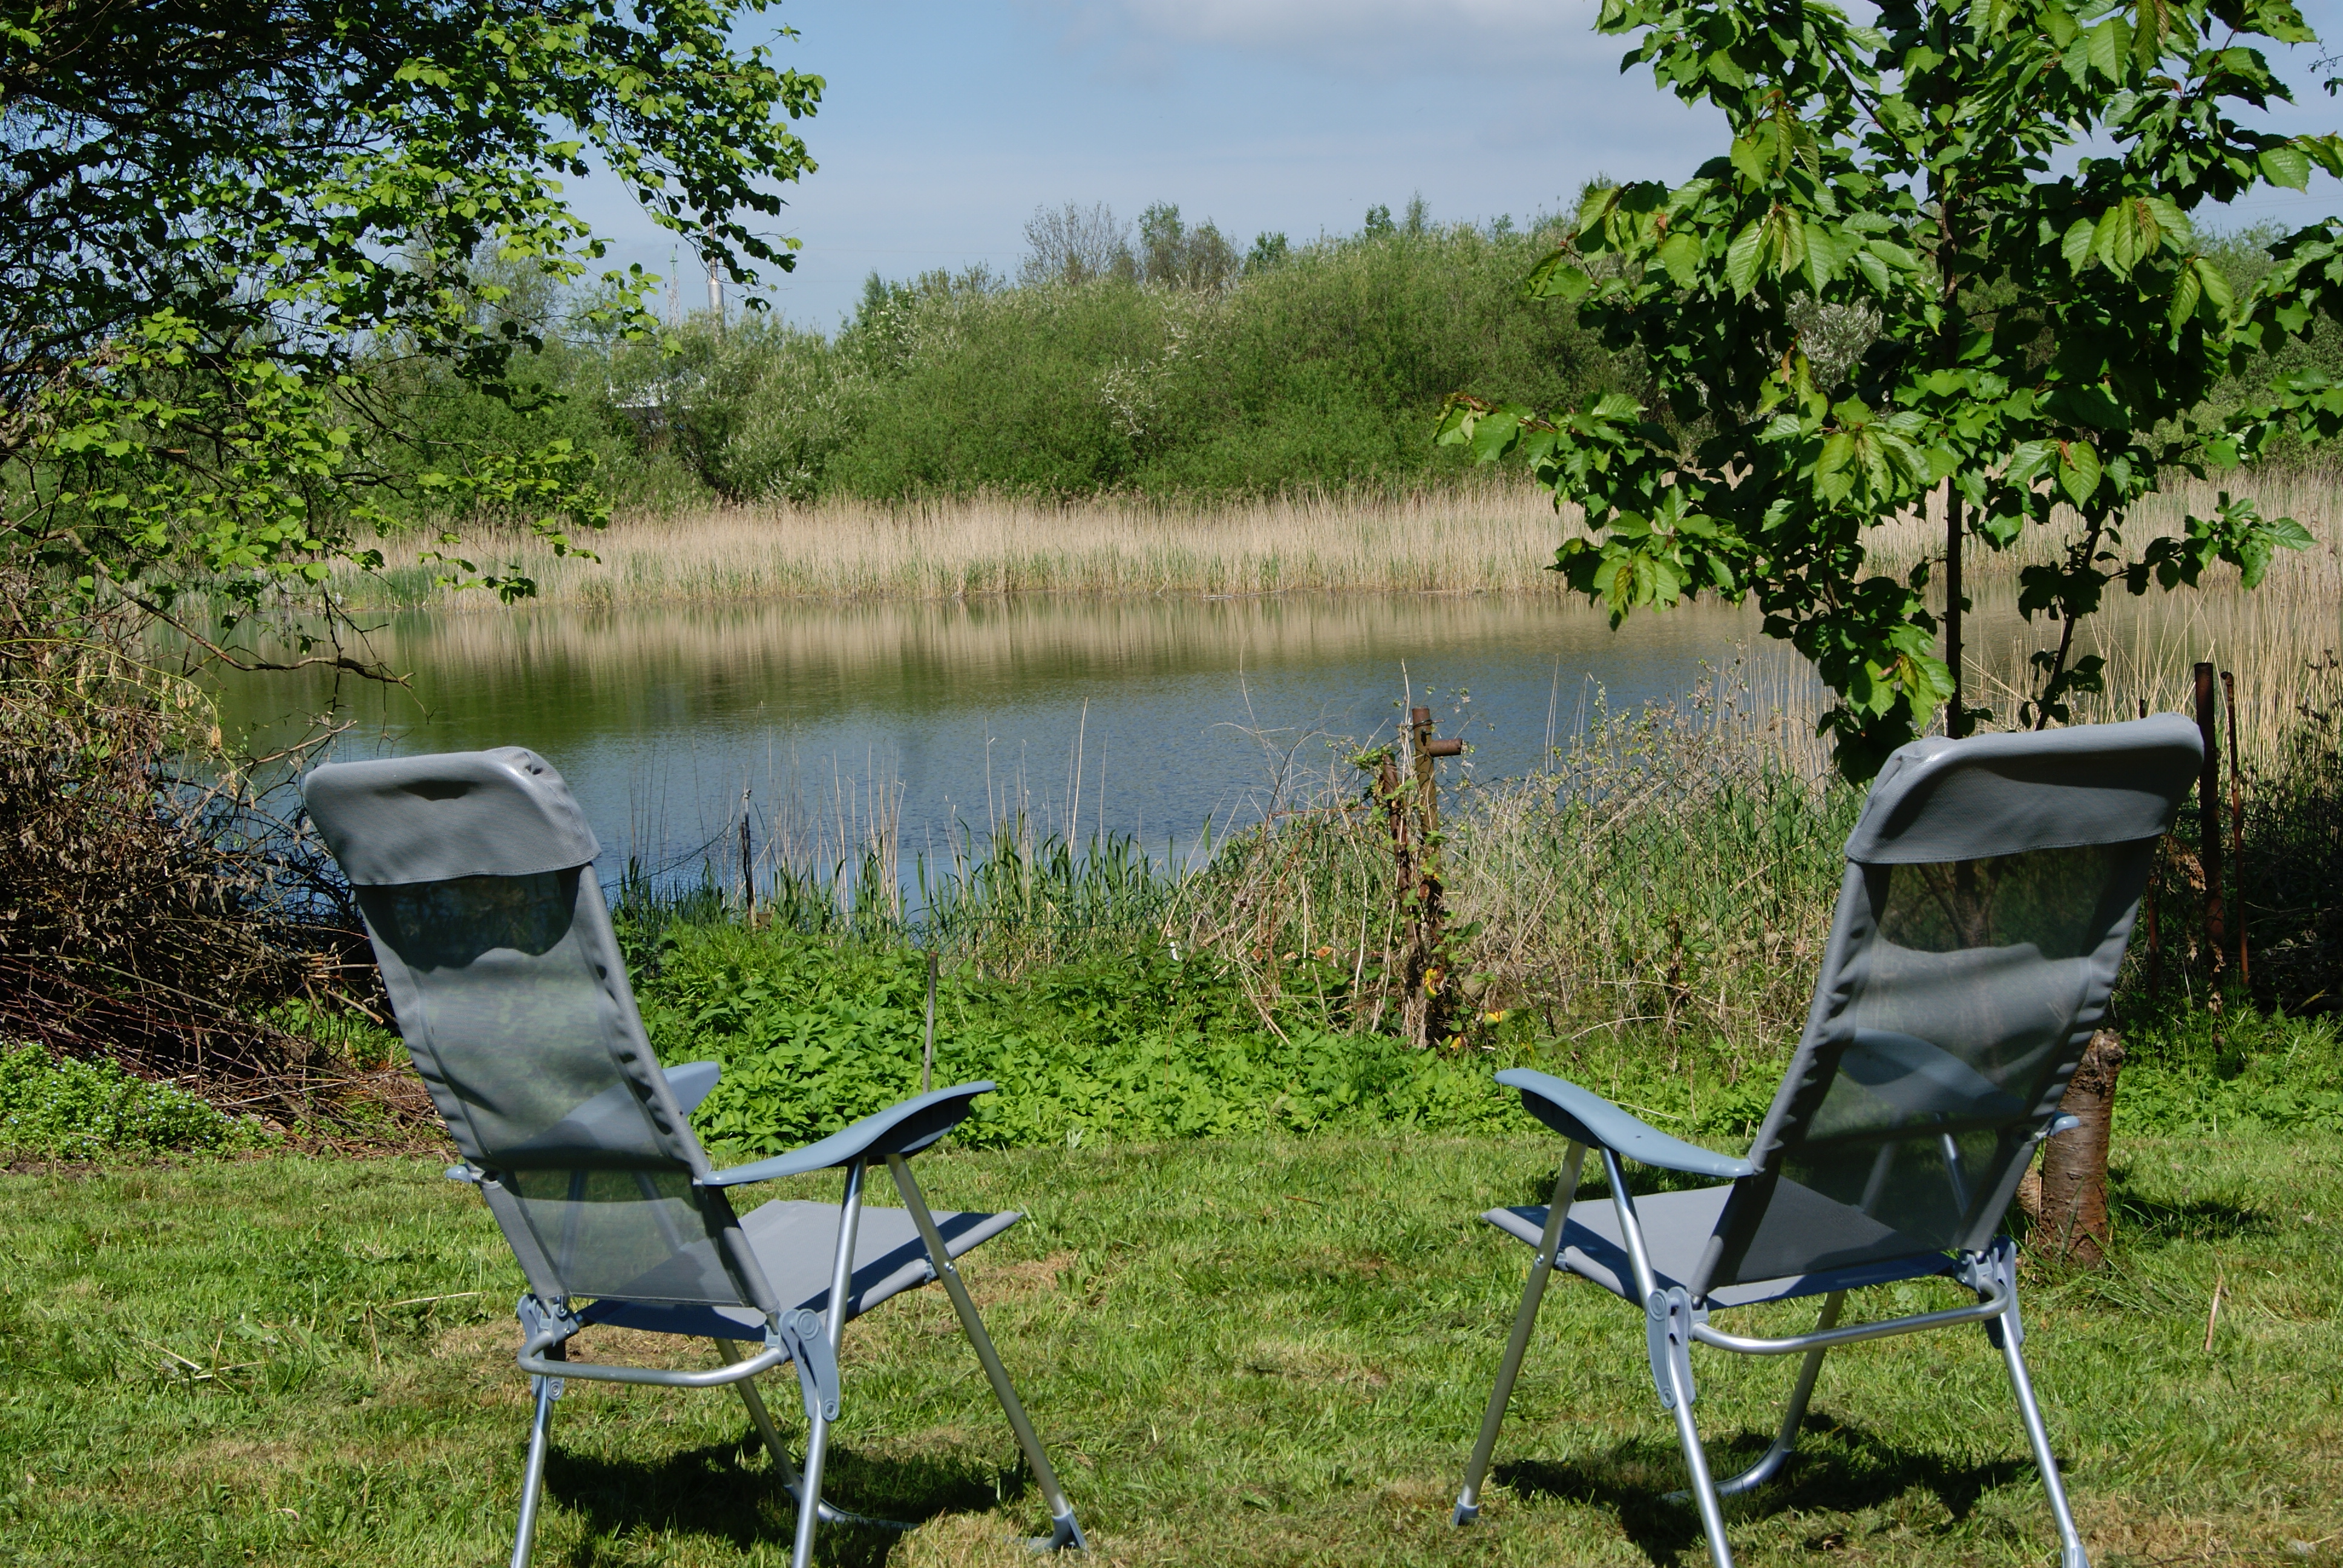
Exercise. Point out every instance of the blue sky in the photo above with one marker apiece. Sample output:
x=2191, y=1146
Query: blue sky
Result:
x=945, y=125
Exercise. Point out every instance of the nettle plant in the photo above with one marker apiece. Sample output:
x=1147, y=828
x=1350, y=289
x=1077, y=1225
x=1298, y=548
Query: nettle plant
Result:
x=2042, y=325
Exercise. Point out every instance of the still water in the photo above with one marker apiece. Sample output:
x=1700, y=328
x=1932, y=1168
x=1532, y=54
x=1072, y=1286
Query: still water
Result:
x=1148, y=716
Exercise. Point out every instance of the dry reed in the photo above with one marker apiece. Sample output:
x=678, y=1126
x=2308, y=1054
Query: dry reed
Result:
x=1496, y=535
x=1492, y=537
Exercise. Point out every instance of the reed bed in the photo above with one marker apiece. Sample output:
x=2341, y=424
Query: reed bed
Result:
x=1493, y=534
x=1492, y=537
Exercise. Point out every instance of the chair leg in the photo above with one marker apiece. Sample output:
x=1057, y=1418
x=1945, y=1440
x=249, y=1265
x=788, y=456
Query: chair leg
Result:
x=770, y=1432
x=2070, y=1541
x=532, y=1483
x=1517, y=1344
x=1703, y=1489
x=1771, y=1462
x=1668, y=1328
x=842, y=1285
x=1065, y=1529
x=763, y=1421
x=817, y=1448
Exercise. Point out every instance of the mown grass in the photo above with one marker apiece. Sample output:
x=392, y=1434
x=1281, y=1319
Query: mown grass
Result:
x=1239, y=1352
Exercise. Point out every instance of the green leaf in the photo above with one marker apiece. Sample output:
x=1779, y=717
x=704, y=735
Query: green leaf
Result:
x=2117, y=241
x=2077, y=246
x=1679, y=254
x=2078, y=471
x=2106, y=45
x=1828, y=250
x=2216, y=284
x=1560, y=277
x=2186, y=290
x=2286, y=165
x=1493, y=432
x=1741, y=258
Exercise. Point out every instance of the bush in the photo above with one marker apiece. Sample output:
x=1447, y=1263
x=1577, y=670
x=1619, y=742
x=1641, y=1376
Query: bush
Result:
x=69, y=1110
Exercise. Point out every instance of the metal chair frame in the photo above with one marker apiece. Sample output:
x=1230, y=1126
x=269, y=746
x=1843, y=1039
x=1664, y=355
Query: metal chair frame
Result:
x=810, y=1342
x=490, y=851
x=1673, y=1324
x=1989, y=893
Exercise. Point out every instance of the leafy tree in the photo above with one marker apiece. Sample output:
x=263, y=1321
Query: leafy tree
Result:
x=1270, y=247
x=1172, y=254
x=223, y=217
x=2000, y=196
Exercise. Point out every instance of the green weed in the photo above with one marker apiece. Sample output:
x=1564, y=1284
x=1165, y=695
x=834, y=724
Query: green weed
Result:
x=61, y=1109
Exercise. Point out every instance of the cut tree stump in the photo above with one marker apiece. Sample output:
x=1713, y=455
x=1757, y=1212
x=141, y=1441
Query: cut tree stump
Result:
x=2067, y=1196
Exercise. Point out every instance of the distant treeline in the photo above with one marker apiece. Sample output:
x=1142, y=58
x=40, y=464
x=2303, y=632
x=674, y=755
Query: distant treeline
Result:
x=1156, y=361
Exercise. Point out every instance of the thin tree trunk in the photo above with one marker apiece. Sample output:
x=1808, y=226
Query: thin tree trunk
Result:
x=2067, y=1197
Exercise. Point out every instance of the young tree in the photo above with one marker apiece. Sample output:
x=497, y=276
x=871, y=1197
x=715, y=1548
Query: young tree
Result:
x=1075, y=245
x=221, y=215
x=1999, y=194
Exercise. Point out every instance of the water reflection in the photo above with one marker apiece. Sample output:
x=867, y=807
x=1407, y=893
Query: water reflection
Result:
x=1149, y=715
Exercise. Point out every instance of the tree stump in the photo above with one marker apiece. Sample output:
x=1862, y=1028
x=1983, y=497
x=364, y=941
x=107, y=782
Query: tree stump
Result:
x=2066, y=1197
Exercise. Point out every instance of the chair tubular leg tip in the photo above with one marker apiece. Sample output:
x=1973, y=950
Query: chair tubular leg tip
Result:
x=1466, y=1512
x=1065, y=1530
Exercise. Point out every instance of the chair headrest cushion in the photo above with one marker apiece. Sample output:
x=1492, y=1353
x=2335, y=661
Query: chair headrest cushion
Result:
x=1938, y=800
x=501, y=813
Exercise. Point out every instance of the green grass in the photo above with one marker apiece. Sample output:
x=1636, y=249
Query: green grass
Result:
x=1239, y=1352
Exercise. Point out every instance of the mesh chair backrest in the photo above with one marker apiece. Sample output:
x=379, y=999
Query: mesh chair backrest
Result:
x=1990, y=890
x=474, y=872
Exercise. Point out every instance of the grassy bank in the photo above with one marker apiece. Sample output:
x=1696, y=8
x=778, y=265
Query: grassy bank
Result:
x=1239, y=1352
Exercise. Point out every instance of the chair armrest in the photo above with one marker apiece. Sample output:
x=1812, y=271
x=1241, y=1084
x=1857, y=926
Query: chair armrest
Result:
x=692, y=1081
x=904, y=1129
x=1587, y=1118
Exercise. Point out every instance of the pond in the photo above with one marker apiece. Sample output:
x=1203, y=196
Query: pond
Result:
x=1145, y=716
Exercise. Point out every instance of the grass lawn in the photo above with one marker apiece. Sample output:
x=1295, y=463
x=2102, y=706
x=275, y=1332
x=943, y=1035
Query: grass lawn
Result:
x=1237, y=1352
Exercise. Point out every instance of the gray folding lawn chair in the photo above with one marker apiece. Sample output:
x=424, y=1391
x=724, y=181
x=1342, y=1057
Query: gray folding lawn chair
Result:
x=475, y=874
x=1989, y=893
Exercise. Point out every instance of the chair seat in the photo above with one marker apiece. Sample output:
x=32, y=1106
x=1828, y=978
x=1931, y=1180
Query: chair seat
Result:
x=1677, y=1231
x=796, y=1242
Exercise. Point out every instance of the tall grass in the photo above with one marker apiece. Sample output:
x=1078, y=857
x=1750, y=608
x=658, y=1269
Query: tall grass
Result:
x=1493, y=534
x=1489, y=533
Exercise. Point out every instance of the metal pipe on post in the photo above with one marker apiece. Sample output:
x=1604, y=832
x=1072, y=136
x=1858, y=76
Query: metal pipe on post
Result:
x=2237, y=824
x=2148, y=907
x=2208, y=817
x=927, y=1046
